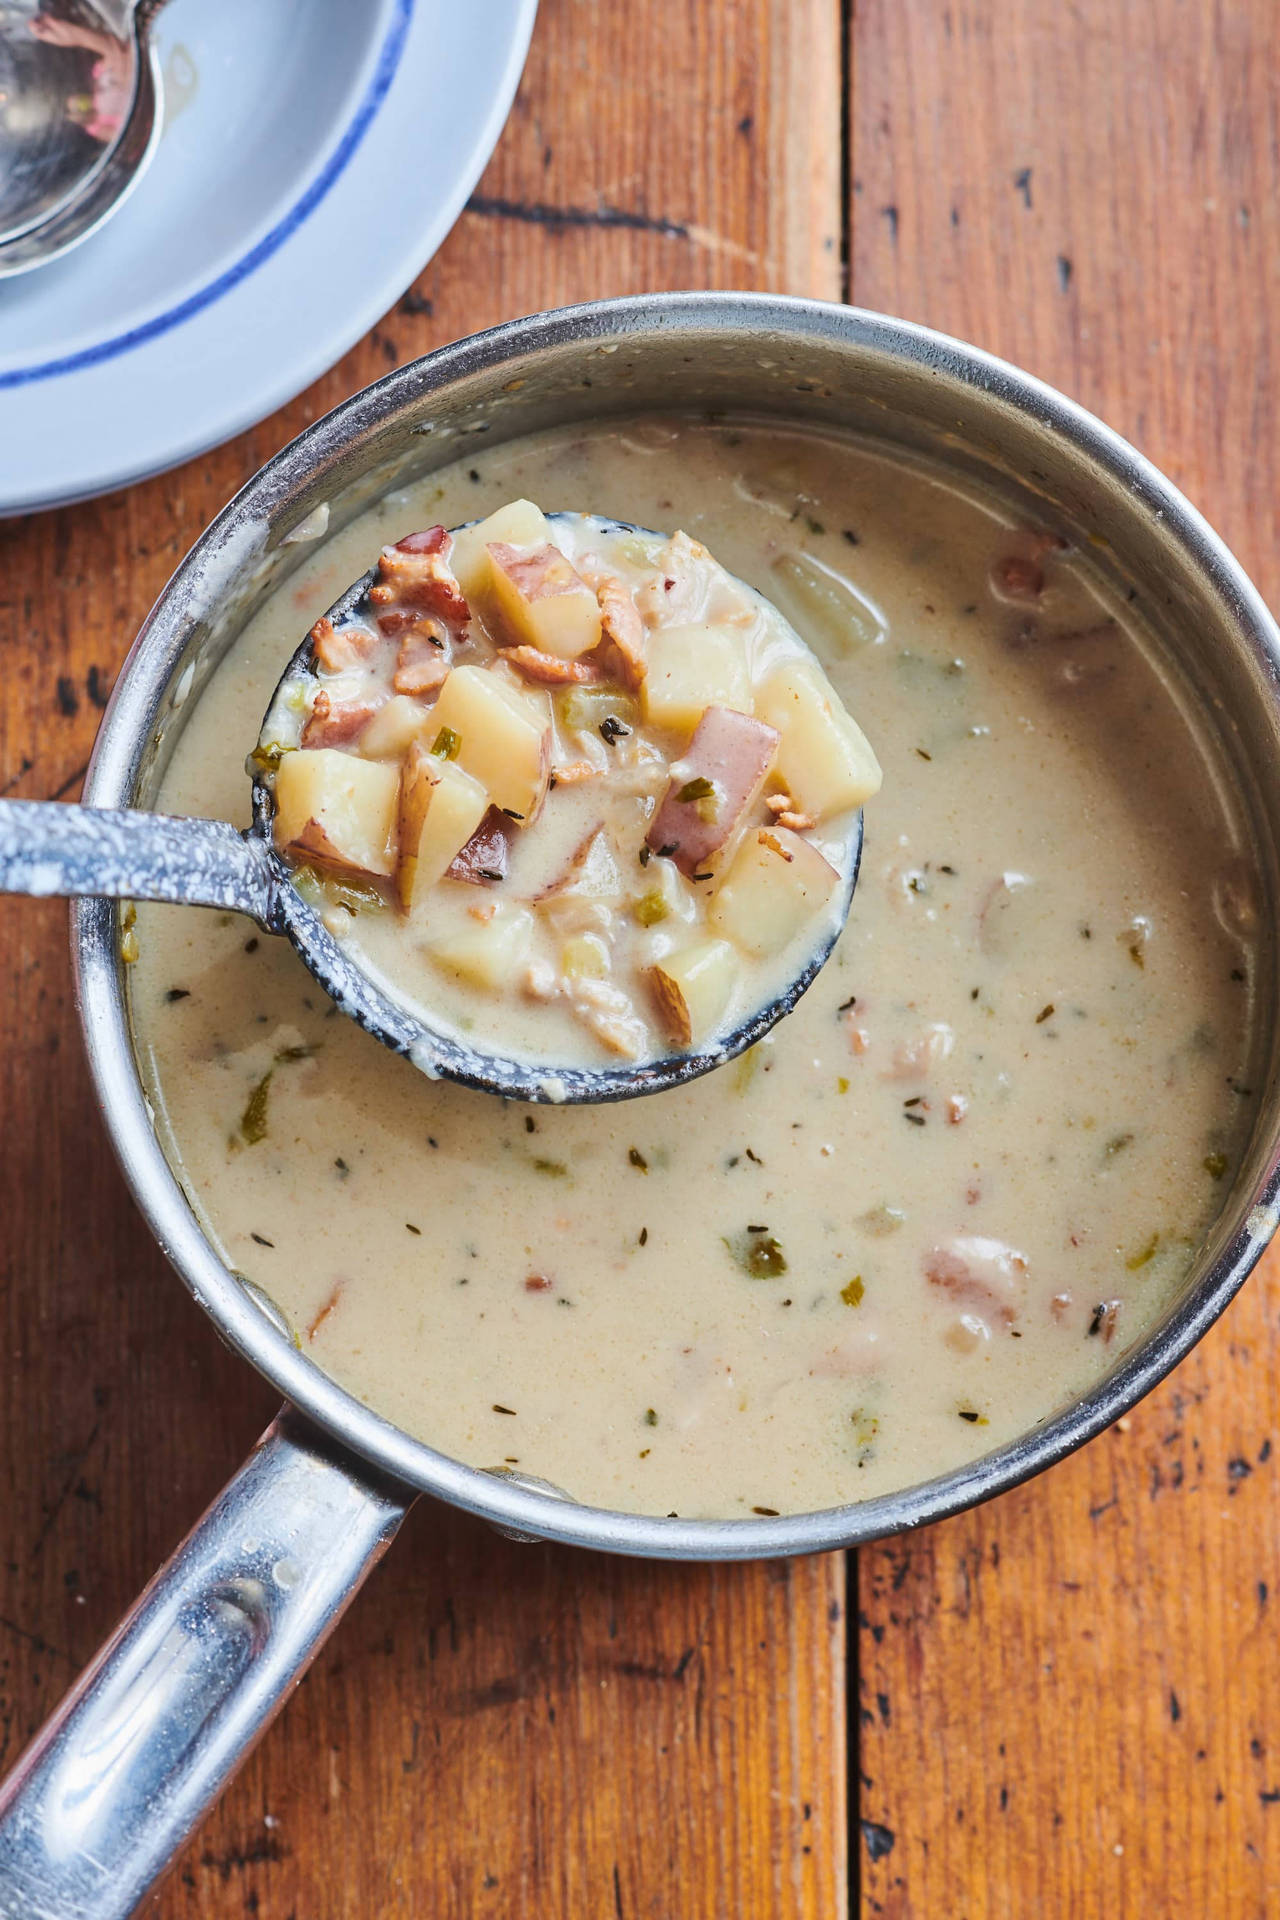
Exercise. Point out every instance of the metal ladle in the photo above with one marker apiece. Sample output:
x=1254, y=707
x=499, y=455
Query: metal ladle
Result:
x=63, y=171
x=49, y=848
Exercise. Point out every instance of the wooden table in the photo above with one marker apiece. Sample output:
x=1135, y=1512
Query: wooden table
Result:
x=1064, y=1705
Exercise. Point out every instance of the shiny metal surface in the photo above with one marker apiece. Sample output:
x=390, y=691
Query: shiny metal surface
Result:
x=800, y=362
x=79, y=120
x=116, y=1780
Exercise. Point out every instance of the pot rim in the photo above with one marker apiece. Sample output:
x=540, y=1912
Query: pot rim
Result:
x=101, y=1003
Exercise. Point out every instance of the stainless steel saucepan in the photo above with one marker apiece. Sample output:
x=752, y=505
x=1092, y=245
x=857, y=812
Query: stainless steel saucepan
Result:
x=111, y=1787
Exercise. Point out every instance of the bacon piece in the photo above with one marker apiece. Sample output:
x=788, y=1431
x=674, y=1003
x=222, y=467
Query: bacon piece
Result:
x=421, y=577
x=787, y=814
x=337, y=648
x=622, y=647
x=981, y=1272
x=484, y=858
x=328, y=1307
x=422, y=664
x=330, y=726
x=548, y=670
x=431, y=540
x=402, y=621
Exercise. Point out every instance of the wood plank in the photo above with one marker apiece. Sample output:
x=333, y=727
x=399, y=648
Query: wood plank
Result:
x=496, y=1729
x=1069, y=1698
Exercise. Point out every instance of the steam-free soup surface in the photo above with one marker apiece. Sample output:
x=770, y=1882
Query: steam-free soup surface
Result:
x=942, y=1198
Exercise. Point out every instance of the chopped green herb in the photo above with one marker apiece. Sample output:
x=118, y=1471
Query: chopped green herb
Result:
x=178, y=993
x=289, y=1056
x=699, y=788
x=267, y=755
x=842, y=1085
x=554, y=1169
x=1215, y=1165
x=1045, y=1013
x=1117, y=1144
x=650, y=908
x=644, y=1236
x=1144, y=1253
x=637, y=1159
x=650, y=1417
x=646, y=854
x=253, y=1121
x=501, y=1409
x=447, y=744
x=853, y=1292
x=758, y=1253
x=769, y=1513
x=612, y=729
x=975, y=1419
x=343, y=1168
x=262, y=1240
x=410, y=1228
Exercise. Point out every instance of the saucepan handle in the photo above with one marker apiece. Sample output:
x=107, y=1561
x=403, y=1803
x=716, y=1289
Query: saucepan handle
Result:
x=110, y=1788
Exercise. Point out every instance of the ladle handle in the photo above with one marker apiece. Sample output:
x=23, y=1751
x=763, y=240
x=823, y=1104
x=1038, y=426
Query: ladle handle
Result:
x=48, y=848
x=152, y=1731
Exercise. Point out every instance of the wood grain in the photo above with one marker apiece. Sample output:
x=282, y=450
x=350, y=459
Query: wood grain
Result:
x=1068, y=1700
x=496, y=1729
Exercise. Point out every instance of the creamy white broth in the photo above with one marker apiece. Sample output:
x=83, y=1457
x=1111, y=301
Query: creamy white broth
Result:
x=1035, y=1097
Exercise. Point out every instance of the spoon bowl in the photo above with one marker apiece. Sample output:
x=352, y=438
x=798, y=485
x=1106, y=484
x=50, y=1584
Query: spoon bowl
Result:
x=82, y=125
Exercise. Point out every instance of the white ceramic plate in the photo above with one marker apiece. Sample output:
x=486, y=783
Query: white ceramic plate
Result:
x=315, y=154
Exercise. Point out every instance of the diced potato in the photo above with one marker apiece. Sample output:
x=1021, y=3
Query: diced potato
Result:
x=824, y=760
x=490, y=953
x=520, y=524
x=693, y=668
x=539, y=600
x=713, y=786
x=691, y=989
x=393, y=729
x=504, y=735
x=337, y=809
x=585, y=957
x=440, y=809
x=775, y=882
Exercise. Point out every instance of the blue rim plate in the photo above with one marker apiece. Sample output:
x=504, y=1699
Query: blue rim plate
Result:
x=299, y=187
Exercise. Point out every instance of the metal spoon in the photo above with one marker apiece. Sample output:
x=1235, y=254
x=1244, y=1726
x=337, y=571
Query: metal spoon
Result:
x=51, y=849
x=65, y=167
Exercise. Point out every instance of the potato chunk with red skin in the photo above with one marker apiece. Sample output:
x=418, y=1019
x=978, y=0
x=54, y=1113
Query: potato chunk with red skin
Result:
x=484, y=858
x=733, y=754
x=440, y=809
x=504, y=736
x=691, y=989
x=539, y=599
x=339, y=810
x=775, y=883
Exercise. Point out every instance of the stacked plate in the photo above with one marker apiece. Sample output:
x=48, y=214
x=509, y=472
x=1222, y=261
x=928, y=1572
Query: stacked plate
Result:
x=312, y=160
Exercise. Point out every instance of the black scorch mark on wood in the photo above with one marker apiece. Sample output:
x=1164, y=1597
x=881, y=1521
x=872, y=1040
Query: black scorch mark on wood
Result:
x=99, y=687
x=68, y=698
